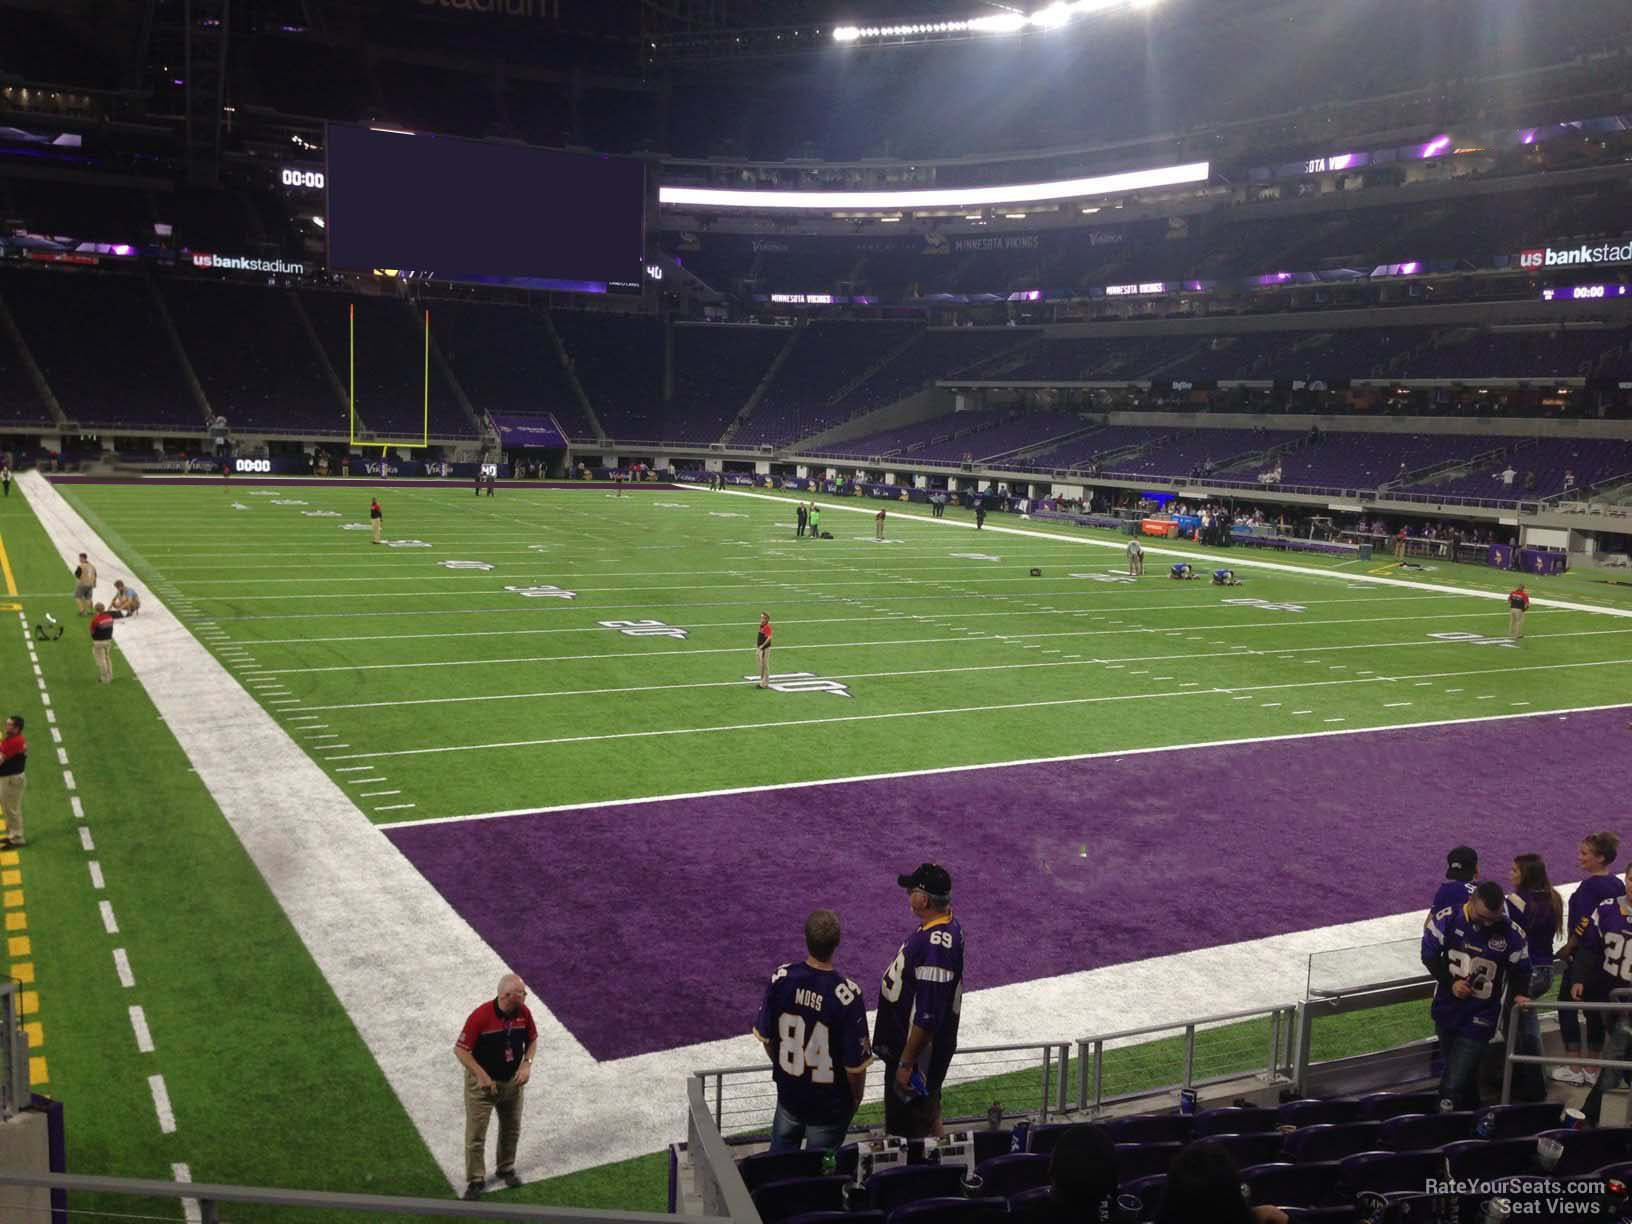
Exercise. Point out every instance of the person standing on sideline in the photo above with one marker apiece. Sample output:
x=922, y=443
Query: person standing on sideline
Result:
x=102, y=642
x=1399, y=545
x=1474, y=952
x=13, y=763
x=811, y=1006
x=84, y=584
x=800, y=517
x=478, y=480
x=762, y=647
x=1518, y=603
x=1136, y=559
x=916, y=1033
x=878, y=526
x=815, y=521
x=496, y=1050
x=5, y=478
x=1595, y=853
x=492, y=480
x=375, y=518
x=980, y=515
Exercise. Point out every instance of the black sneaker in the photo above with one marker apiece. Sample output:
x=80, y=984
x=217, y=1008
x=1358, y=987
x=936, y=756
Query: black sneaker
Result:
x=509, y=1178
x=473, y=1192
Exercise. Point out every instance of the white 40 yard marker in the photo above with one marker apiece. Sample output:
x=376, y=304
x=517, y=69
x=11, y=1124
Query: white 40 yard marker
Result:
x=644, y=628
x=542, y=591
x=805, y=682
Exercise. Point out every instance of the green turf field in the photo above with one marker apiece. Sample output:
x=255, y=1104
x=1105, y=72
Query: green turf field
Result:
x=428, y=692
x=455, y=691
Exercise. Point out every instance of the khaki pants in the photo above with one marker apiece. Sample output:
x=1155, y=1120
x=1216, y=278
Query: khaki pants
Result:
x=479, y=1106
x=378, y=524
x=764, y=666
x=1515, y=622
x=103, y=652
x=11, y=804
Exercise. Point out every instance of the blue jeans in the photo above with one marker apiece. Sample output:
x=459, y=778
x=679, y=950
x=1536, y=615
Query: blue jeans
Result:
x=1460, y=1082
x=788, y=1133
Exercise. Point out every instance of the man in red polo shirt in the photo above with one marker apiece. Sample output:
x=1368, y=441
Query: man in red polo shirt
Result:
x=13, y=761
x=102, y=641
x=1518, y=603
x=762, y=646
x=496, y=1050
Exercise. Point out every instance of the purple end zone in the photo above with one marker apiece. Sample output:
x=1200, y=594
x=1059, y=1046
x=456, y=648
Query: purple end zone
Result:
x=655, y=925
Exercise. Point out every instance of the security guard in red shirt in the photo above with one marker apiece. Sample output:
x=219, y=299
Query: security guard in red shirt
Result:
x=1518, y=603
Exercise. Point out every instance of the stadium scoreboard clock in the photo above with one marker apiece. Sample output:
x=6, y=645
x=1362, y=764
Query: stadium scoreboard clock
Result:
x=302, y=178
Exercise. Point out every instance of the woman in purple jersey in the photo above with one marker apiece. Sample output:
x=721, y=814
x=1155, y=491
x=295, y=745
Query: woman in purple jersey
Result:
x=1596, y=852
x=1534, y=904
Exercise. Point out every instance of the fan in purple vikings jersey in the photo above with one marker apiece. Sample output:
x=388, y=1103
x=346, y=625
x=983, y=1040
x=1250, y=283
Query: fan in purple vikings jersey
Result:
x=1595, y=853
x=813, y=1024
x=1474, y=951
x=917, y=1026
x=1604, y=956
x=1461, y=869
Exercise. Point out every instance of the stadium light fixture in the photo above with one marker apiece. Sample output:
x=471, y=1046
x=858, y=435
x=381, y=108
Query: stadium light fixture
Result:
x=950, y=197
x=1055, y=16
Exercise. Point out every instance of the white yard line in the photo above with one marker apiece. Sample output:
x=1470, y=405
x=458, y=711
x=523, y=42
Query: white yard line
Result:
x=121, y=966
x=144, y=1044
x=155, y=1084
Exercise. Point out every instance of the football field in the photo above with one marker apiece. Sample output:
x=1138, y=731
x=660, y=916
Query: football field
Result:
x=524, y=731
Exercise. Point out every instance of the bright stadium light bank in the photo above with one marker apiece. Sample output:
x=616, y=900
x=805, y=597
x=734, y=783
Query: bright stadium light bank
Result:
x=951, y=197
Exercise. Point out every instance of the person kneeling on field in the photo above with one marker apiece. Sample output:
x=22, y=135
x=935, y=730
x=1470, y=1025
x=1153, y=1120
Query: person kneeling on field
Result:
x=1183, y=570
x=1225, y=577
x=126, y=599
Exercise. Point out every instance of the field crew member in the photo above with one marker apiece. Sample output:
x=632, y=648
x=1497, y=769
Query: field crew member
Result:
x=13, y=763
x=762, y=647
x=496, y=1050
x=84, y=584
x=1518, y=603
x=102, y=642
x=375, y=518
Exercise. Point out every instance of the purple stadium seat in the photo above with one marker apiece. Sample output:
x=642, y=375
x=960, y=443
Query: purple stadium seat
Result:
x=1515, y=1121
x=1418, y=1132
x=1620, y=1172
x=1251, y=1149
x=1136, y=1160
x=837, y=1217
x=777, y=1201
x=1150, y=1191
x=1292, y=1185
x=1330, y=1141
x=989, y=1143
x=1043, y=1138
x=1381, y=1106
x=1325, y=1215
x=1477, y=1160
x=892, y=1188
x=951, y=1211
x=1313, y=1113
x=1151, y=1128
x=1032, y=1207
x=1388, y=1172
x=1010, y=1174
x=1586, y=1150
x=1236, y=1120
x=766, y=1167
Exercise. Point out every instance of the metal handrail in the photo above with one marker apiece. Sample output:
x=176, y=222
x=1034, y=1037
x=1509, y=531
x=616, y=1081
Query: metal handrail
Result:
x=723, y=1189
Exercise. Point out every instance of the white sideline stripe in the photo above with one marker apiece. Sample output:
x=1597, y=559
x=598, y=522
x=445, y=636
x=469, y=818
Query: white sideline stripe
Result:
x=96, y=875
x=77, y=806
x=56, y=735
x=144, y=1043
x=121, y=966
x=952, y=769
x=356, y=901
x=62, y=756
x=900, y=714
x=68, y=779
x=161, y=1104
x=109, y=923
x=1275, y=566
x=85, y=838
x=190, y=1209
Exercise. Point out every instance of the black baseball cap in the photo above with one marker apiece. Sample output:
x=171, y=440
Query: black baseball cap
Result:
x=931, y=877
x=1463, y=858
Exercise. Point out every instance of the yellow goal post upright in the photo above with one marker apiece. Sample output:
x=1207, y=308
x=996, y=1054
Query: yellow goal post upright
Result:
x=351, y=414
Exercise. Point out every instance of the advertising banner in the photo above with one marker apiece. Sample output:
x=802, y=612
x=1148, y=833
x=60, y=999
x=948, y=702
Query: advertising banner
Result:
x=528, y=430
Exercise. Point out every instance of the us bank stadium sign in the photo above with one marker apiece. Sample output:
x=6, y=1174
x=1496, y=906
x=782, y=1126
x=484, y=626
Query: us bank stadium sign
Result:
x=1581, y=256
x=246, y=263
